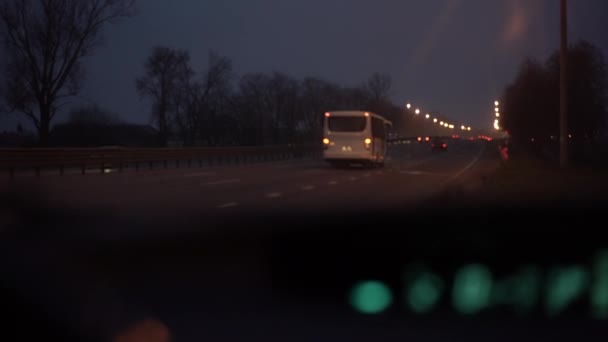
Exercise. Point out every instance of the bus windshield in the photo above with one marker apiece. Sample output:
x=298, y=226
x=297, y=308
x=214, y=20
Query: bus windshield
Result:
x=346, y=123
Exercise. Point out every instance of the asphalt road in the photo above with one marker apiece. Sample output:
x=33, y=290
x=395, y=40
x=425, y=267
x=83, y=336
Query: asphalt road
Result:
x=412, y=174
x=233, y=286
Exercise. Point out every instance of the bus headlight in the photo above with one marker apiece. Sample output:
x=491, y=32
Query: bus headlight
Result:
x=368, y=143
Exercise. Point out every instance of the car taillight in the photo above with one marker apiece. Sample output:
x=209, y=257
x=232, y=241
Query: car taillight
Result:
x=444, y=145
x=368, y=143
x=325, y=143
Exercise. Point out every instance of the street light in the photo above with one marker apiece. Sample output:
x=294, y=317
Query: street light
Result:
x=435, y=120
x=428, y=116
x=469, y=128
x=441, y=123
x=497, y=114
x=496, y=126
x=409, y=105
x=496, y=103
x=417, y=111
x=463, y=128
x=451, y=126
x=497, y=109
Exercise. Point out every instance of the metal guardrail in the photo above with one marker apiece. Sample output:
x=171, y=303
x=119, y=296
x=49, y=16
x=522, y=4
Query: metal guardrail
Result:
x=13, y=160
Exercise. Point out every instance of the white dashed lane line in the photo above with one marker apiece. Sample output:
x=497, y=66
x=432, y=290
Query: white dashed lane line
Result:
x=274, y=195
x=227, y=205
x=219, y=182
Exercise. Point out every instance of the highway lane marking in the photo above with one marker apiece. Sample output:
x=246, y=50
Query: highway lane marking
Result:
x=467, y=167
x=331, y=183
x=308, y=187
x=422, y=173
x=274, y=195
x=227, y=205
x=198, y=174
x=224, y=181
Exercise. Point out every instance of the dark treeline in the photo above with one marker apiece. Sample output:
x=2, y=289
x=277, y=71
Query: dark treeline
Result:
x=531, y=104
x=215, y=107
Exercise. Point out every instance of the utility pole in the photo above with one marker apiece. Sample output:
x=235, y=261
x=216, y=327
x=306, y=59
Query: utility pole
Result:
x=563, y=86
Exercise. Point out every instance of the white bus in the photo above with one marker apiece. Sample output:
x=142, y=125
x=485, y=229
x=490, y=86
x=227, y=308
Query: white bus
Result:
x=355, y=137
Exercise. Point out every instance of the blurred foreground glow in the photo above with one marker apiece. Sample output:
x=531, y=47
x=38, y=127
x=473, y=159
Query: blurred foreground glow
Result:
x=472, y=289
x=520, y=291
x=370, y=297
x=599, y=291
x=147, y=330
x=565, y=285
x=424, y=292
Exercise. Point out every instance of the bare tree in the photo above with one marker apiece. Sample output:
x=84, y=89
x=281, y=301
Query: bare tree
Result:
x=255, y=107
x=216, y=90
x=317, y=97
x=379, y=86
x=45, y=42
x=93, y=114
x=166, y=70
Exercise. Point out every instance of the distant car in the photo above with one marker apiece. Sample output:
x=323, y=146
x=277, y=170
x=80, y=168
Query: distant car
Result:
x=439, y=145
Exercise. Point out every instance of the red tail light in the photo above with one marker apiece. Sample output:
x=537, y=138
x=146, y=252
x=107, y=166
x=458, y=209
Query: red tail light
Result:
x=444, y=145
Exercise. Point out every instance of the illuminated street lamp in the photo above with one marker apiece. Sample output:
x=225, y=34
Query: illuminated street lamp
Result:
x=496, y=126
x=428, y=116
x=451, y=126
x=497, y=114
x=497, y=109
x=441, y=123
x=463, y=128
x=435, y=120
x=417, y=111
x=409, y=105
x=496, y=103
x=469, y=128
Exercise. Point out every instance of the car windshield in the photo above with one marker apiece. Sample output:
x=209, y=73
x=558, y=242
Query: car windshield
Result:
x=340, y=170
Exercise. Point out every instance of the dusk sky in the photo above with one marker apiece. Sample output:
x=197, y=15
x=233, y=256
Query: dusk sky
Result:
x=450, y=56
